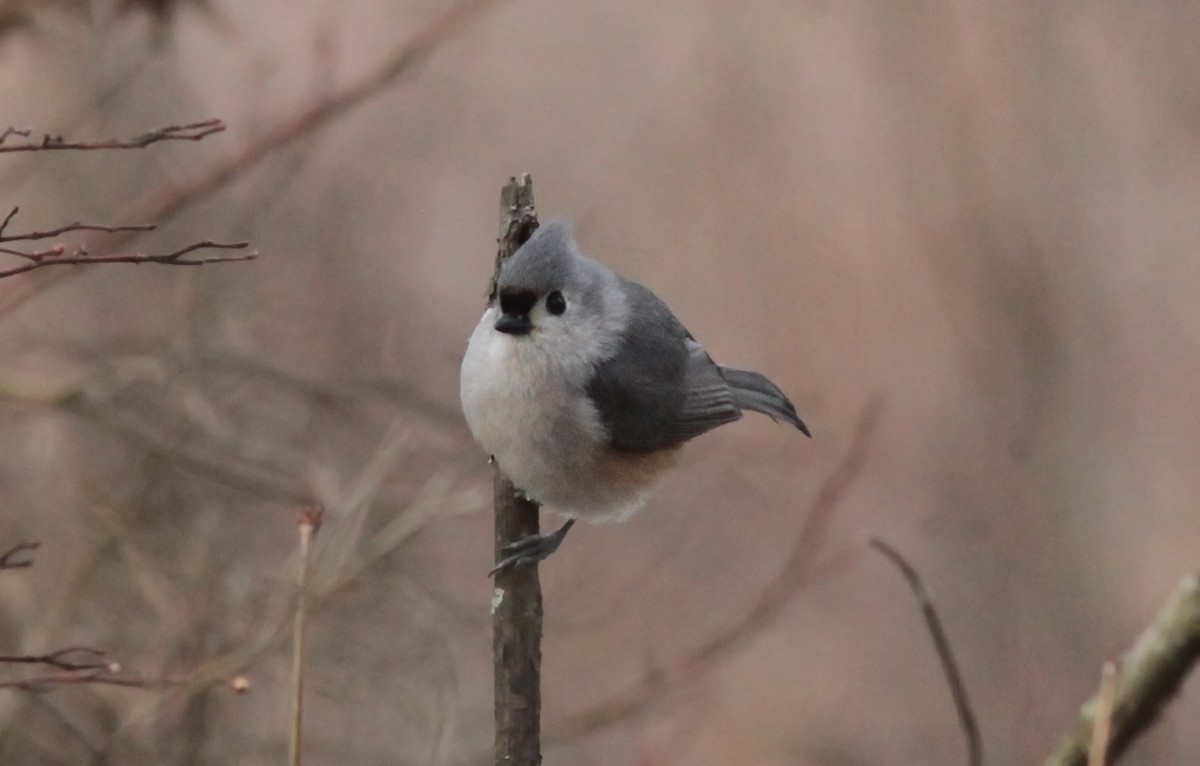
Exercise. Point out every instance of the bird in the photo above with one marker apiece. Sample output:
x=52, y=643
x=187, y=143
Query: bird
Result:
x=583, y=385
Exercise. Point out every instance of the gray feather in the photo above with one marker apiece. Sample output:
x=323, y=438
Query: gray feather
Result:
x=545, y=262
x=660, y=388
x=752, y=391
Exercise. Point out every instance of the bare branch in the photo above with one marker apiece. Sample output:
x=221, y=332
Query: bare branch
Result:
x=71, y=658
x=1151, y=672
x=55, y=257
x=85, y=665
x=792, y=576
x=195, y=131
x=958, y=690
x=8, y=559
x=77, y=226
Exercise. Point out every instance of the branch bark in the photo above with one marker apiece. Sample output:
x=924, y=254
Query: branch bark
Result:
x=517, y=594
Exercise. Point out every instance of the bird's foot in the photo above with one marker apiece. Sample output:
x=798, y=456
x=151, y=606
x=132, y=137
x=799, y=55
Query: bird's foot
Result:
x=531, y=550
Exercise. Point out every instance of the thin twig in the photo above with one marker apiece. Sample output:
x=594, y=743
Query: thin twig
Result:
x=958, y=690
x=8, y=559
x=767, y=607
x=79, y=665
x=195, y=131
x=310, y=522
x=1151, y=673
x=77, y=226
x=8, y=219
x=56, y=256
x=11, y=131
x=82, y=665
x=71, y=658
x=1102, y=731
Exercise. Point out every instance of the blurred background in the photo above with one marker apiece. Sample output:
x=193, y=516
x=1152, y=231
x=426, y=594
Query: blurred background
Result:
x=962, y=236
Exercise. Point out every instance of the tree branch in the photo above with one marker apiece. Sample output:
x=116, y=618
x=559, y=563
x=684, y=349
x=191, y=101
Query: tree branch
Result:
x=77, y=665
x=195, y=131
x=56, y=256
x=71, y=658
x=77, y=226
x=1150, y=674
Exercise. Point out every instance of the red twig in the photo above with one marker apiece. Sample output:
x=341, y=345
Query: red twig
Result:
x=195, y=131
x=8, y=559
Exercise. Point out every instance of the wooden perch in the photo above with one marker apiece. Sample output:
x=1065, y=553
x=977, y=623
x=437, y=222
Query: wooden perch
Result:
x=517, y=594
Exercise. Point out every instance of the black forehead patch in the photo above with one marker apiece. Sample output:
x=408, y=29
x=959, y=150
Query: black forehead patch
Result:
x=517, y=301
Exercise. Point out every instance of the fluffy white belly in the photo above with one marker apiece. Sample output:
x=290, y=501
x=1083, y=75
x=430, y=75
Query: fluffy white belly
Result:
x=534, y=416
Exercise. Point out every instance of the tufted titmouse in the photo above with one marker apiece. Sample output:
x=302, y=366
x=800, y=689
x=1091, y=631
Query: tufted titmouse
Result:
x=583, y=386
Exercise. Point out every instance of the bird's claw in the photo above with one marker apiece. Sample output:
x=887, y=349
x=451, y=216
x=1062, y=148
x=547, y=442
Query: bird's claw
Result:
x=530, y=550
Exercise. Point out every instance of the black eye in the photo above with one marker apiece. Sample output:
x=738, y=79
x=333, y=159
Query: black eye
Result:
x=556, y=304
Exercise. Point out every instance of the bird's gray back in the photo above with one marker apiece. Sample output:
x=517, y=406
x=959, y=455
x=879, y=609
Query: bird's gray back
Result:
x=660, y=388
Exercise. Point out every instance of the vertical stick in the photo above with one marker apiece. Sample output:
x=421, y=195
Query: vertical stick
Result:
x=309, y=521
x=1101, y=733
x=517, y=597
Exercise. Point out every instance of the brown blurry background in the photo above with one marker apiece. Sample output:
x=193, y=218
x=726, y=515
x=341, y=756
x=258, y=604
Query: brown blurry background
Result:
x=981, y=214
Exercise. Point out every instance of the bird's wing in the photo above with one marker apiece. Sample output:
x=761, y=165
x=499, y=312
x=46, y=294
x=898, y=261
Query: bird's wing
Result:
x=660, y=388
x=708, y=401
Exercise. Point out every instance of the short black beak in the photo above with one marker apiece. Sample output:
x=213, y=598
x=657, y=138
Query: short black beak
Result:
x=514, y=324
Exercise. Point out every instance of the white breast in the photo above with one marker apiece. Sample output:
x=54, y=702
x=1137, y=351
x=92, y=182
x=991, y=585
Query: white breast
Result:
x=530, y=410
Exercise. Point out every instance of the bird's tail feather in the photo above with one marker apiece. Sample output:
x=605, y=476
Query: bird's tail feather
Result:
x=752, y=391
